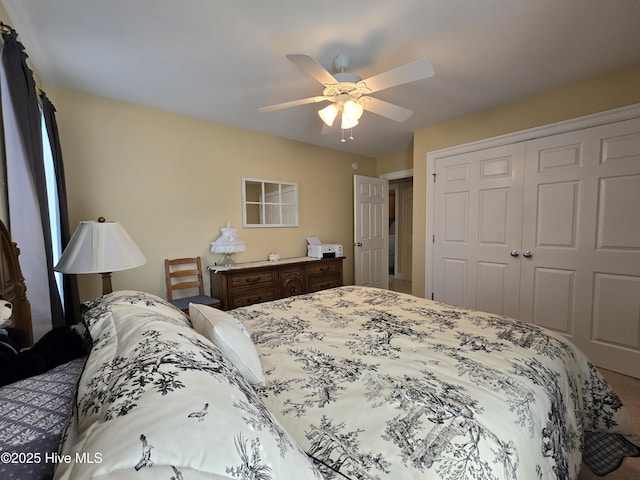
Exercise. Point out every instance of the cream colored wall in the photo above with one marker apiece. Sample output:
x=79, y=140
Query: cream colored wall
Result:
x=174, y=181
x=119, y=157
x=395, y=162
x=601, y=93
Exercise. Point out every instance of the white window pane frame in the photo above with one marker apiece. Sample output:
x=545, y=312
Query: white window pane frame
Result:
x=269, y=203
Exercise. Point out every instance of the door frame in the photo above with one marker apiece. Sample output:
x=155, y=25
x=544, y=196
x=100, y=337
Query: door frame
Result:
x=610, y=116
x=396, y=190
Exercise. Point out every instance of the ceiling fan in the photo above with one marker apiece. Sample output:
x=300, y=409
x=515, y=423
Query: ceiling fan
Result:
x=348, y=94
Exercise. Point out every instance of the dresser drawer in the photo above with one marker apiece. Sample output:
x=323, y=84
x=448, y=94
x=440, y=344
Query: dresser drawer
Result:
x=249, y=298
x=322, y=268
x=254, y=280
x=324, y=283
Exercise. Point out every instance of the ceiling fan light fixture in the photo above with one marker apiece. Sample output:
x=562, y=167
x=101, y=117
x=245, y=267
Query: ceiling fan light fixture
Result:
x=348, y=122
x=351, y=113
x=353, y=110
x=328, y=114
x=348, y=93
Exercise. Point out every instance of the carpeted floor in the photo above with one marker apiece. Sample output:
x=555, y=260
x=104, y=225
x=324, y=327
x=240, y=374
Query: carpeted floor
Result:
x=403, y=286
x=628, y=389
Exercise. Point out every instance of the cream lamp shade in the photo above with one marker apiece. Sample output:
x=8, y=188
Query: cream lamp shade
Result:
x=351, y=113
x=100, y=247
x=328, y=114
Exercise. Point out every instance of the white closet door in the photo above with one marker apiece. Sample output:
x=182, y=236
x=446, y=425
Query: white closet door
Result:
x=574, y=218
x=582, y=229
x=477, y=224
x=557, y=227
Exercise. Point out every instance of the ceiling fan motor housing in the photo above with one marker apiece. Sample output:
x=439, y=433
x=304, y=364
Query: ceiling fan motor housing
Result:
x=346, y=77
x=341, y=62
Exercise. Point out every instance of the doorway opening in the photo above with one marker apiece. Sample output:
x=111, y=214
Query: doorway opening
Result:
x=400, y=233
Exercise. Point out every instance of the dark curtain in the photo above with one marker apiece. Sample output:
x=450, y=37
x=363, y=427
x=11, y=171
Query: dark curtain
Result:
x=70, y=283
x=22, y=89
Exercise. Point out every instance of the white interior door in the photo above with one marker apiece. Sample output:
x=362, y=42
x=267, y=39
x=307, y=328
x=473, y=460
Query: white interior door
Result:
x=477, y=226
x=582, y=229
x=371, y=231
x=578, y=264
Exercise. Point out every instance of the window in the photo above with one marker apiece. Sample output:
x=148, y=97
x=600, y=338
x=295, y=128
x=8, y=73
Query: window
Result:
x=52, y=200
x=268, y=203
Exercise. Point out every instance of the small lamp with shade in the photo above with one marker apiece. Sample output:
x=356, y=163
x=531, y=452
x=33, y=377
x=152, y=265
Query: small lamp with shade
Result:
x=227, y=244
x=100, y=247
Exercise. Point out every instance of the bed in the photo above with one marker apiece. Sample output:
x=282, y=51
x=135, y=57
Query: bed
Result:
x=352, y=382
x=378, y=384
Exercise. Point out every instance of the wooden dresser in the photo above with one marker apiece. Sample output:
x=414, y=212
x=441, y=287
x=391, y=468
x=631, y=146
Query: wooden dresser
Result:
x=255, y=282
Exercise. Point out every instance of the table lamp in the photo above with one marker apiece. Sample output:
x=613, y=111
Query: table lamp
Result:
x=100, y=247
x=227, y=244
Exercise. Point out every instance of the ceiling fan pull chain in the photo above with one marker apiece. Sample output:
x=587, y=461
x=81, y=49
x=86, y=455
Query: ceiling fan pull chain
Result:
x=351, y=135
x=342, y=140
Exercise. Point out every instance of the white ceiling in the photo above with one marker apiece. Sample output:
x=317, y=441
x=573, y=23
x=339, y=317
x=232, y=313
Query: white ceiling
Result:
x=221, y=60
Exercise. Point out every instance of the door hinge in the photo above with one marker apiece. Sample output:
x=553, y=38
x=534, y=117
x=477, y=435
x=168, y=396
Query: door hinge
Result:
x=432, y=296
x=434, y=177
x=433, y=239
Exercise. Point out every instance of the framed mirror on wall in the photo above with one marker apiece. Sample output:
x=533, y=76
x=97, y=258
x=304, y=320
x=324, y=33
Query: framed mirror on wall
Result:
x=269, y=203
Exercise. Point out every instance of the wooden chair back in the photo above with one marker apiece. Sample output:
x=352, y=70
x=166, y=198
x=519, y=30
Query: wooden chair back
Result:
x=182, y=274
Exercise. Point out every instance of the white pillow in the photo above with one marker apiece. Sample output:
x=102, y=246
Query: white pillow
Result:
x=230, y=336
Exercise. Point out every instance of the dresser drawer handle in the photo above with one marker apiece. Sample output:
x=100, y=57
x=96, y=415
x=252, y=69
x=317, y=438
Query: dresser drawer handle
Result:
x=252, y=281
x=325, y=269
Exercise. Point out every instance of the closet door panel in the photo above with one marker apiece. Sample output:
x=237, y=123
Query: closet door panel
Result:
x=454, y=281
x=616, y=305
x=554, y=299
x=478, y=220
x=491, y=286
x=557, y=228
x=493, y=209
x=582, y=227
x=557, y=214
x=619, y=201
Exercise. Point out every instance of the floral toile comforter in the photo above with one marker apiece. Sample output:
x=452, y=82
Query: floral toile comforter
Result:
x=374, y=384
x=158, y=400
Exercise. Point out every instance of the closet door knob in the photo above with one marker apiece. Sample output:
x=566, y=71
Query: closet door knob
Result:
x=514, y=253
x=527, y=254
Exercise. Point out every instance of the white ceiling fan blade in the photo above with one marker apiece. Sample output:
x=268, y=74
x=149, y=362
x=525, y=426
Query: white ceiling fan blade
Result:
x=293, y=103
x=409, y=72
x=313, y=68
x=386, y=109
